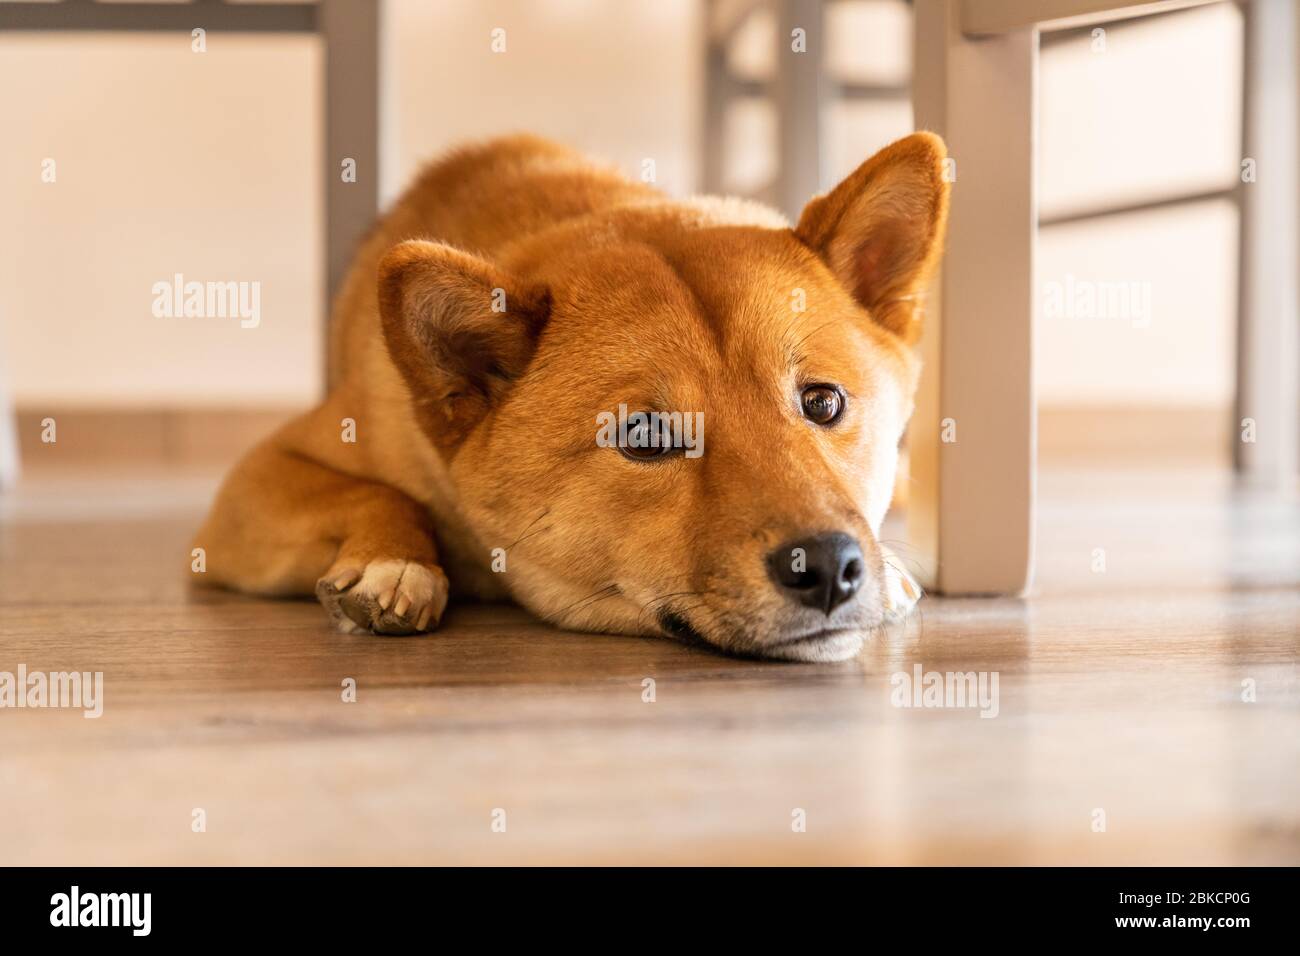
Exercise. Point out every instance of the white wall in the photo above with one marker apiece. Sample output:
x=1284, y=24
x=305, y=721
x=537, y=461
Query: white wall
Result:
x=620, y=80
x=167, y=161
x=1151, y=112
x=1175, y=343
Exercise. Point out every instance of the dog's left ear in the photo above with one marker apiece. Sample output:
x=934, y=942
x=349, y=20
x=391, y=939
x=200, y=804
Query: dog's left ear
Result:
x=881, y=229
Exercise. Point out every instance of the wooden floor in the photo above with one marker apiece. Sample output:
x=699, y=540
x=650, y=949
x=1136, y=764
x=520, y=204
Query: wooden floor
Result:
x=1120, y=691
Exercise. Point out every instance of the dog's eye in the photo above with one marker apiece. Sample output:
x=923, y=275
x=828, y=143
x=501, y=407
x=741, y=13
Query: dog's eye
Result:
x=641, y=444
x=644, y=454
x=822, y=403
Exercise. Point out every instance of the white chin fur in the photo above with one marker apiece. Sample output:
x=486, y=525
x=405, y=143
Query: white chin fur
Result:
x=825, y=650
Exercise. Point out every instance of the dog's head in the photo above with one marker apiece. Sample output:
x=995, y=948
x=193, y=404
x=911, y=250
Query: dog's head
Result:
x=746, y=513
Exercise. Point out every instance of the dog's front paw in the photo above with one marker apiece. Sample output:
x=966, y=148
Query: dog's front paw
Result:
x=386, y=597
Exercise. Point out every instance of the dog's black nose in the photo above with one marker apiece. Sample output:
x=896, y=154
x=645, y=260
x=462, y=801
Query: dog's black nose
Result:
x=823, y=571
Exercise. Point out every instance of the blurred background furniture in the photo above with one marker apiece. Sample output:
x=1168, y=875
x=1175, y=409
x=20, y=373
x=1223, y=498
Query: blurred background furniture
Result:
x=349, y=32
x=975, y=80
x=1058, y=114
x=8, y=437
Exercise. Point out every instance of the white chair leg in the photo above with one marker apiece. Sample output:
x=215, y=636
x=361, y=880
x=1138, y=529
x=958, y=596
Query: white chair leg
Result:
x=8, y=438
x=972, y=441
x=1267, y=426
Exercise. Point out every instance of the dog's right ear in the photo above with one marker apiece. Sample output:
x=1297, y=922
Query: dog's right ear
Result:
x=459, y=330
x=881, y=230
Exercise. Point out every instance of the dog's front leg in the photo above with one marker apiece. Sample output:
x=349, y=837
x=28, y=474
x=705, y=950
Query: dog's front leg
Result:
x=284, y=524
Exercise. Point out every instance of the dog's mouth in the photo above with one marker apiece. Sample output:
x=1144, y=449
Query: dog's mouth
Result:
x=677, y=626
x=810, y=645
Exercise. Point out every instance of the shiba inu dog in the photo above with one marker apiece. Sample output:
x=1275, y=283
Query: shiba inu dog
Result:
x=513, y=300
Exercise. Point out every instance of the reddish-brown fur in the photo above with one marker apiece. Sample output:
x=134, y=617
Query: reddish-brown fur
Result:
x=475, y=429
